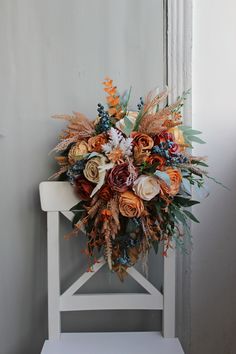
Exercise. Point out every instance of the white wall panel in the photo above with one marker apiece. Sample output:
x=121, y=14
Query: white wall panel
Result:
x=54, y=55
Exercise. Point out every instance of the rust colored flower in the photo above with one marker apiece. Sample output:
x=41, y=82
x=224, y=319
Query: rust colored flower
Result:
x=77, y=151
x=142, y=140
x=83, y=188
x=105, y=193
x=105, y=214
x=95, y=142
x=130, y=205
x=163, y=137
x=120, y=177
x=175, y=181
x=174, y=149
x=156, y=159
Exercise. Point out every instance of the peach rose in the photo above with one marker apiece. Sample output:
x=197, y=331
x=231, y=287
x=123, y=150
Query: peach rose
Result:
x=142, y=140
x=175, y=181
x=95, y=142
x=130, y=205
x=178, y=137
x=146, y=187
x=77, y=151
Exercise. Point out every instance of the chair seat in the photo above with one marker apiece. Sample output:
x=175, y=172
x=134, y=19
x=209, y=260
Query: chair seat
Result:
x=113, y=343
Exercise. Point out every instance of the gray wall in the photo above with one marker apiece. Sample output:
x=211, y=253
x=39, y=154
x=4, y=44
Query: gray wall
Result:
x=213, y=292
x=54, y=54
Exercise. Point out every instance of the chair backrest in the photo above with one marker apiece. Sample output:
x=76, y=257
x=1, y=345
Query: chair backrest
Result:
x=59, y=197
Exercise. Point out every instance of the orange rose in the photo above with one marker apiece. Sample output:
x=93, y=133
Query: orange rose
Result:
x=77, y=151
x=156, y=159
x=175, y=181
x=140, y=155
x=130, y=205
x=95, y=142
x=142, y=140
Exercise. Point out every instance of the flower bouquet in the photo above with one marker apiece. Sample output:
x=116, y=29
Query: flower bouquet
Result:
x=133, y=173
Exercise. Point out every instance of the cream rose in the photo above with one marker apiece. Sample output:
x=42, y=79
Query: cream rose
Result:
x=146, y=187
x=91, y=170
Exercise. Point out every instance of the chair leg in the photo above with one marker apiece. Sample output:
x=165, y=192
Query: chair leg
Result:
x=168, y=326
x=54, y=320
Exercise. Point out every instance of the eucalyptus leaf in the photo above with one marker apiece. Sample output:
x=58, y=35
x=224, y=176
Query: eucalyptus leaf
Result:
x=126, y=99
x=193, y=132
x=128, y=126
x=185, y=202
x=180, y=216
x=195, y=139
x=186, y=185
x=164, y=176
x=189, y=131
x=200, y=163
x=138, y=120
x=191, y=216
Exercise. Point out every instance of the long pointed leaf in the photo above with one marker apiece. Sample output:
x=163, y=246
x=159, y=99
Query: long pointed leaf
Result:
x=195, y=139
x=191, y=216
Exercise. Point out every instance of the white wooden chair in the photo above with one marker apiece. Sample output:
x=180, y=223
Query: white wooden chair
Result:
x=58, y=197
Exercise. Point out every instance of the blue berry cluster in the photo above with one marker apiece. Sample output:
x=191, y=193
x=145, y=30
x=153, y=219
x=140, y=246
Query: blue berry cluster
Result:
x=163, y=149
x=75, y=171
x=104, y=123
x=140, y=104
x=125, y=260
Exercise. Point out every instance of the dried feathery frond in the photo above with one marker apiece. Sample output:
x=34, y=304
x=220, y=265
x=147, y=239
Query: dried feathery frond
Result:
x=133, y=254
x=62, y=161
x=64, y=117
x=63, y=145
x=78, y=227
x=192, y=168
x=114, y=208
x=79, y=125
x=108, y=244
x=197, y=158
x=153, y=124
x=149, y=228
x=151, y=101
x=92, y=210
x=58, y=173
